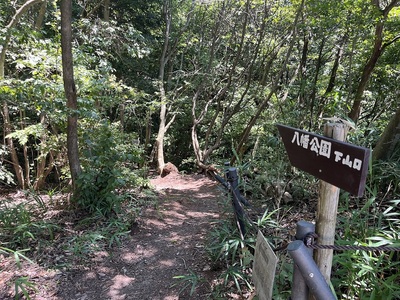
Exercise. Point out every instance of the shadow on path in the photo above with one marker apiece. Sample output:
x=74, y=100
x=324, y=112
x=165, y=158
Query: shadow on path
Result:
x=169, y=241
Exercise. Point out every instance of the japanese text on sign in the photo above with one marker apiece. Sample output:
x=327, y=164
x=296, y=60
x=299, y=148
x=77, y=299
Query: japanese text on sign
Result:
x=323, y=148
x=336, y=162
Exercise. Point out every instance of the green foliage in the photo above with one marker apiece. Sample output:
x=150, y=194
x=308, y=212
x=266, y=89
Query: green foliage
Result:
x=21, y=225
x=190, y=280
x=6, y=177
x=266, y=221
x=24, y=285
x=283, y=278
x=361, y=274
x=21, y=283
x=107, y=157
x=17, y=254
x=227, y=56
x=230, y=252
x=227, y=249
x=96, y=233
x=385, y=176
x=85, y=244
x=236, y=274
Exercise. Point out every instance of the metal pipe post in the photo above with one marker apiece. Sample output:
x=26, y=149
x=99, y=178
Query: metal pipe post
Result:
x=309, y=269
x=299, y=286
x=303, y=228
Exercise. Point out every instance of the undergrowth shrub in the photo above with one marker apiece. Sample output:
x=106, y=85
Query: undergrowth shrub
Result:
x=385, y=176
x=110, y=159
x=373, y=220
x=370, y=221
x=22, y=224
x=231, y=255
x=22, y=284
x=23, y=228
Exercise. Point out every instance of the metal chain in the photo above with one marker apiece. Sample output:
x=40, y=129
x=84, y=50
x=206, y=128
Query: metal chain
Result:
x=310, y=238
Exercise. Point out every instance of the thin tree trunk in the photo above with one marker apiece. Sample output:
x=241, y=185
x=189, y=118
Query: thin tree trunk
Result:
x=338, y=58
x=377, y=51
x=19, y=173
x=42, y=158
x=167, y=56
x=332, y=77
x=160, y=139
x=106, y=10
x=148, y=129
x=196, y=120
x=159, y=145
x=314, y=85
x=246, y=132
x=229, y=110
x=25, y=151
x=41, y=15
x=70, y=91
x=389, y=140
x=303, y=69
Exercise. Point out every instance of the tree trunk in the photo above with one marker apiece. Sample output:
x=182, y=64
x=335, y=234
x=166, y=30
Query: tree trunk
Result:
x=41, y=15
x=263, y=105
x=315, y=81
x=70, y=91
x=27, y=167
x=41, y=171
x=338, y=58
x=165, y=57
x=159, y=145
x=228, y=109
x=303, y=69
x=106, y=10
x=389, y=140
x=160, y=138
x=148, y=130
x=377, y=51
x=19, y=173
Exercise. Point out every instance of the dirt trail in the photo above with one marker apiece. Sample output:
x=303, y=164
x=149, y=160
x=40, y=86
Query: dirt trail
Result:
x=168, y=241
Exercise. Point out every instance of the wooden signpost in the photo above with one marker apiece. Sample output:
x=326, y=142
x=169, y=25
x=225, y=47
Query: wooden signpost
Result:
x=341, y=164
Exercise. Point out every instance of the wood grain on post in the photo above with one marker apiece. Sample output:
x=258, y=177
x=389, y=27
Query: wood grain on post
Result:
x=327, y=209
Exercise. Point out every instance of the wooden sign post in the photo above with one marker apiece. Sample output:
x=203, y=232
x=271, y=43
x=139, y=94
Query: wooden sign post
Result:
x=325, y=225
x=340, y=165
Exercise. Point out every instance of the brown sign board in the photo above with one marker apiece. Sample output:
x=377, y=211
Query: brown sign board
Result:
x=264, y=267
x=338, y=163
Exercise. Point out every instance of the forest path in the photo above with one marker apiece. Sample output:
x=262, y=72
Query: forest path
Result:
x=169, y=240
